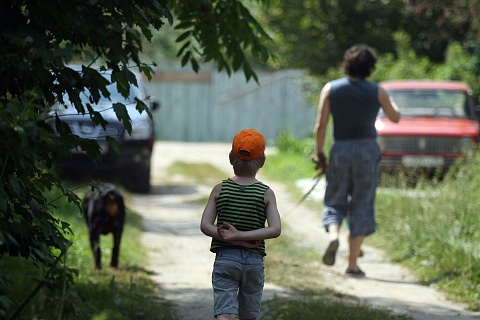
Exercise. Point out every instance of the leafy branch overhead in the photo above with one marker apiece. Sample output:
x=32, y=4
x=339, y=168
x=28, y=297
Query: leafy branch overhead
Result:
x=220, y=31
x=41, y=41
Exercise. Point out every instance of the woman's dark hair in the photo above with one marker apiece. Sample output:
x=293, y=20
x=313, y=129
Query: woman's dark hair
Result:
x=359, y=61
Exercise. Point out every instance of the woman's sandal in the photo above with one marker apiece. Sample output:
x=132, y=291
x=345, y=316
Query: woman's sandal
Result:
x=330, y=253
x=355, y=273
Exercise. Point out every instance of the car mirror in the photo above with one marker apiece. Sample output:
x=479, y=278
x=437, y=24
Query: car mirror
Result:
x=155, y=105
x=477, y=109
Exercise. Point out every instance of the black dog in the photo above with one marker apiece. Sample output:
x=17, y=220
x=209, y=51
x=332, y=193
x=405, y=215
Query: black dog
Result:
x=104, y=211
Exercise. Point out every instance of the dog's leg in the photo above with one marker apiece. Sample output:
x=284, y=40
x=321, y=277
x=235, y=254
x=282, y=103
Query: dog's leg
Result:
x=117, y=236
x=95, y=244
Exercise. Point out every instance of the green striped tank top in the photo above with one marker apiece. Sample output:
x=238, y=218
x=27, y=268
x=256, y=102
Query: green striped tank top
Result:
x=243, y=206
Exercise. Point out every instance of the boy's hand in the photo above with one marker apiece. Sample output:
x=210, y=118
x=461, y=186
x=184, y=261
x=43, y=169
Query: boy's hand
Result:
x=251, y=244
x=227, y=231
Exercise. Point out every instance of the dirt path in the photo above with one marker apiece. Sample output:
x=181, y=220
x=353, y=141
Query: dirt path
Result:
x=181, y=263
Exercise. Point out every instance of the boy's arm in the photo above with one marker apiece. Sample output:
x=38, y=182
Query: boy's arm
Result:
x=207, y=224
x=273, y=230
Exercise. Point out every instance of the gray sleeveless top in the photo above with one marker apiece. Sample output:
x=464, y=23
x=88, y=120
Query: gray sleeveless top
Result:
x=354, y=105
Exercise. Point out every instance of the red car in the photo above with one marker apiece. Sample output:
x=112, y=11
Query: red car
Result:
x=438, y=124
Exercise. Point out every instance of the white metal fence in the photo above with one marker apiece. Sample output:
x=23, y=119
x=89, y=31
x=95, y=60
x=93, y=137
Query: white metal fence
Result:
x=212, y=107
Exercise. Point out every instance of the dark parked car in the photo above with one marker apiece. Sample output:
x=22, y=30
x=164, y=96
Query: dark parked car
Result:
x=438, y=124
x=132, y=166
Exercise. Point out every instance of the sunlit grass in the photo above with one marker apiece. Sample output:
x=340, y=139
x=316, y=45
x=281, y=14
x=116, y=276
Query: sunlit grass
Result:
x=433, y=228
x=314, y=306
x=292, y=267
x=199, y=172
x=427, y=222
x=437, y=233
x=124, y=293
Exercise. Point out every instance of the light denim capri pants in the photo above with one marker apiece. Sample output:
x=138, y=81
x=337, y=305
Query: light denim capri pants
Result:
x=238, y=278
x=352, y=180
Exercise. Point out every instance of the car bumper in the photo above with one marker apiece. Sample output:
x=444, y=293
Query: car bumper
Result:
x=417, y=161
x=133, y=155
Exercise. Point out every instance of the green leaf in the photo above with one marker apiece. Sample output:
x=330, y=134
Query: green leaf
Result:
x=183, y=48
x=15, y=185
x=122, y=115
x=169, y=17
x=238, y=59
x=141, y=107
x=185, y=58
x=195, y=65
x=183, y=36
x=96, y=83
x=114, y=144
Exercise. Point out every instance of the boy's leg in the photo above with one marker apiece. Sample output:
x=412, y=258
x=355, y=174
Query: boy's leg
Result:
x=226, y=281
x=251, y=288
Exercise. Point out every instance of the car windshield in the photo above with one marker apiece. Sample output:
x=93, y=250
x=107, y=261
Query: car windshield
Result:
x=431, y=103
x=115, y=96
x=103, y=103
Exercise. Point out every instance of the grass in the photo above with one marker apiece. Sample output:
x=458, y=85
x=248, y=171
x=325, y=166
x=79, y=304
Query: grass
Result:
x=314, y=306
x=124, y=293
x=437, y=235
x=200, y=172
x=288, y=266
x=433, y=229
x=429, y=224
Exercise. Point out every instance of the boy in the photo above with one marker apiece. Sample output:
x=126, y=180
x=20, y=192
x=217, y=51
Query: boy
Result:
x=240, y=206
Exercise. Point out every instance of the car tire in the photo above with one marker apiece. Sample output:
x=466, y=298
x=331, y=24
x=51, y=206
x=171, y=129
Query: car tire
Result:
x=139, y=181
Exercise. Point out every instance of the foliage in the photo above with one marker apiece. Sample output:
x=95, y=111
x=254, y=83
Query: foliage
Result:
x=405, y=65
x=437, y=234
x=39, y=41
x=314, y=306
x=313, y=35
x=296, y=267
x=433, y=227
x=293, y=159
x=432, y=25
x=124, y=293
x=219, y=31
x=27, y=227
x=287, y=143
x=459, y=65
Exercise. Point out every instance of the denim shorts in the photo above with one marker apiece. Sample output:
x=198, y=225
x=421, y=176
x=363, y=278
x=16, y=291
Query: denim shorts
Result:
x=352, y=180
x=237, y=279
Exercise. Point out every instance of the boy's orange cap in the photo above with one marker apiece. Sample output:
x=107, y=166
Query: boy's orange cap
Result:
x=248, y=144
